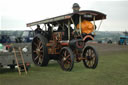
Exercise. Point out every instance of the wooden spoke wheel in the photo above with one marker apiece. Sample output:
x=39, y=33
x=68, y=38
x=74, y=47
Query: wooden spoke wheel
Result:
x=39, y=51
x=91, y=57
x=66, y=59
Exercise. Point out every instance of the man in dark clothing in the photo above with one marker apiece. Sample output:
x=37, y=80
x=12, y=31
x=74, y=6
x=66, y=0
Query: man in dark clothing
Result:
x=49, y=31
x=38, y=30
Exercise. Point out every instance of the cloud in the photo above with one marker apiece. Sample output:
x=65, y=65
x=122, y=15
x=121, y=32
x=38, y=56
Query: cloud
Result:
x=16, y=13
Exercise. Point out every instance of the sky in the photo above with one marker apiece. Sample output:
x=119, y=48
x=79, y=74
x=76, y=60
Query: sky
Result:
x=15, y=14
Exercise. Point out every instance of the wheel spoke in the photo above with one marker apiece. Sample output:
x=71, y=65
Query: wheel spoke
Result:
x=40, y=60
x=41, y=50
x=62, y=55
x=68, y=62
x=92, y=62
x=66, y=66
x=90, y=52
x=41, y=56
x=35, y=44
x=67, y=56
x=89, y=63
x=38, y=40
x=93, y=59
x=34, y=51
x=40, y=45
x=93, y=55
x=36, y=58
x=70, y=59
x=86, y=53
x=65, y=53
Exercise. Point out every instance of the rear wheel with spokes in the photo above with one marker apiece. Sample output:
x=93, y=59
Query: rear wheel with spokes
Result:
x=39, y=51
x=66, y=59
x=91, y=57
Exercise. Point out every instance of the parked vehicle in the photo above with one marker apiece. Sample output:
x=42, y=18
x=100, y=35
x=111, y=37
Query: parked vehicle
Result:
x=123, y=40
x=5, y=39
x=27, y=36
x=9, y=36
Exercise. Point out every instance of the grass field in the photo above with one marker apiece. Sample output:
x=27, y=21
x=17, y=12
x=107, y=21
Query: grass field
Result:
x=112, y=70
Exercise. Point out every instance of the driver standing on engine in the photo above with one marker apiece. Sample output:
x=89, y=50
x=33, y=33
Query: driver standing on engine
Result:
x=86, y=26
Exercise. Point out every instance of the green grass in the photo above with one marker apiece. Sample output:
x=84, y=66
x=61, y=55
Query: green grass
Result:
x=112, y=70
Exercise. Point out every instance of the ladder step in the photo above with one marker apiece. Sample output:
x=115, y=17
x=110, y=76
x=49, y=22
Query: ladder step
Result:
x=19, y=60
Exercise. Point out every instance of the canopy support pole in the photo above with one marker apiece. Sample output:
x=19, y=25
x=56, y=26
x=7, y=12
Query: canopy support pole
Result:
x=73, y=24
x=52, y=27
x=100, y=24
x=80, y=24
x=45, y=26
x=68, y=29
x=94, y=25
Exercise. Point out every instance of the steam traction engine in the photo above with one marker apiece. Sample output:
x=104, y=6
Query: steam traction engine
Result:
x=60, y=39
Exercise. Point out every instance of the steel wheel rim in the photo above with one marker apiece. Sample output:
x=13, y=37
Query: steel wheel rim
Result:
x=38, y=51
x=90, y=56
x=66, y=59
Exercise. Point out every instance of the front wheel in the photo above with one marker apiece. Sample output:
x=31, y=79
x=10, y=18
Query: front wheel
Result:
x=66, y=59
x=90, y=57
x=39, y=51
